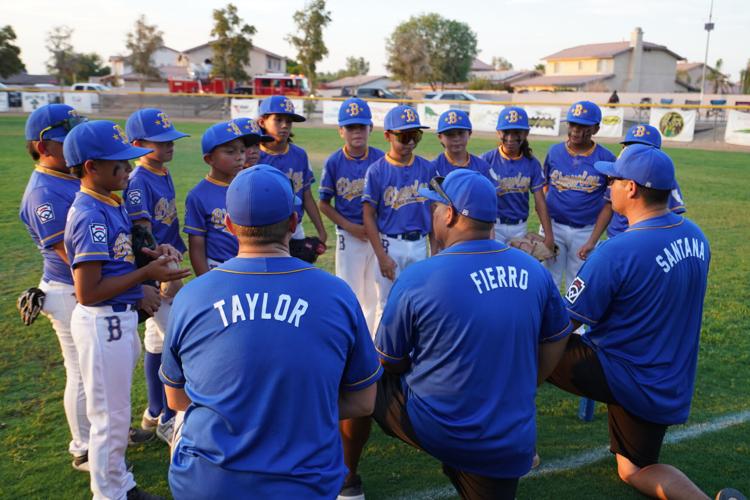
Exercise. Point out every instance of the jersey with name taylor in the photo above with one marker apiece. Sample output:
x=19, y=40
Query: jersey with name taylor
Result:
x=205, y=209
x=515, y=178
x=98, y=229
x=444, y=166
x=44, y=209
x=472, y=318
x=263, y=347
x=619, y=222
x=576, y=188
x=642, y=294
x=295, y=165
x=393, y=189
x=150, y=195
x=343, y=179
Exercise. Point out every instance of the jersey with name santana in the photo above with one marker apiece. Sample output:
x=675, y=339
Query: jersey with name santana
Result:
x=205, y=210
x=294, y=163
x=515, y=179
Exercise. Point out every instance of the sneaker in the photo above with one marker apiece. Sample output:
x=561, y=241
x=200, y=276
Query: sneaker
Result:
x=139, y=436
x=165, y=430
x=535, y=461
x=730, y=494
x=138, y=494
x=352, y=489
x=81, y=462
x=149, y=423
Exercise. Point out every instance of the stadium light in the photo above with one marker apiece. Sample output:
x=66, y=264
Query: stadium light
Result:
x=709, y=26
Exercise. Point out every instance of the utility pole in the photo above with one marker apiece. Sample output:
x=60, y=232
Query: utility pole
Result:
x=709, y=26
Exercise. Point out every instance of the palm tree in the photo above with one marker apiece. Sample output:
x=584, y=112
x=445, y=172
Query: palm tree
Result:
x=720, y=80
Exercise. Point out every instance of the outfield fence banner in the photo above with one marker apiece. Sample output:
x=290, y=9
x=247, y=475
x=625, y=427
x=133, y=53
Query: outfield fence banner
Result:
x=83, y=102
x=430, y=113
x=4, y=105
x=331, y=112
x=484, y=116
x=674, y=124
x=33, y=100
x=544, y=120
x=379, y=110
x=612, y=120
x=244, y=108
x=738, y=128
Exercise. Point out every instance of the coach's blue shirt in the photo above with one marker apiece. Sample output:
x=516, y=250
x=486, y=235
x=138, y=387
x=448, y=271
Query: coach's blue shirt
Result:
x=205, y=209
x=444, y=165
x=576, y=189
x=642, y=294
x=619, y=222
x=295, y=165
x=262, y=347
x=515, y=179
x=44, y=209
x=471, y=320
x=343, y=179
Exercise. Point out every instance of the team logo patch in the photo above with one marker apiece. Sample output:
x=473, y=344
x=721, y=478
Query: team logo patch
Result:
x=134, y=197
x=575, y=290
x=98, y=233
x=45, y=213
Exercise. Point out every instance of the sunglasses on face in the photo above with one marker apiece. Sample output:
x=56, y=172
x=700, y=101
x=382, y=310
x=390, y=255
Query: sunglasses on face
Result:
x=407, y=136
x=436, y=184
x=68, y=124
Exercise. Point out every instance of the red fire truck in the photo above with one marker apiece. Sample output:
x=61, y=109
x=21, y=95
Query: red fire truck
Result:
x=268, y=84
x=210, y=86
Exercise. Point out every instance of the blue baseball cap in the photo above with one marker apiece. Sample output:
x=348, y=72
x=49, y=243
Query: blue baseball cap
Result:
x=279, y=105
x=219, y=134
x=584, y=113
x=402, y=117
x=151, y=124
x=471, y=194
x=646, y=165
x=52, y=122
x=354, y=111
x=99, y=140
x=513, y=118
x=453, y=119
x=250, y=129
x=259, y=196
x=643, y=134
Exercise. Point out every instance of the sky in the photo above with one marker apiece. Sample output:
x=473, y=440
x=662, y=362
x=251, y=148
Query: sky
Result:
x=522, y=31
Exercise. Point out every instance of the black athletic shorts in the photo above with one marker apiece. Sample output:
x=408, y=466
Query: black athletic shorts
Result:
x=581, y=373
x=390, y=414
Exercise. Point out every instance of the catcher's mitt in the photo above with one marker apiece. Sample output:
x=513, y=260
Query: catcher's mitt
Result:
x=533, y=244
x=141, y=237
x=30, y=304
x=306, y=249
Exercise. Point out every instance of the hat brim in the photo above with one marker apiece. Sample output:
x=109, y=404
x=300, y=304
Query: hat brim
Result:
x=294, y=116
x=355, y=121
x=581, y=121
x=407, y=127
x=130, y=153
x=454, y=127
x=250, y=139
x=627, y=142
x=433, y=196
x=512, y=127
x=607, y=168
x=169, y=135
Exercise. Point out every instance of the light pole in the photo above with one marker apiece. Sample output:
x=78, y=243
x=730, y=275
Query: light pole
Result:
x=709, y=26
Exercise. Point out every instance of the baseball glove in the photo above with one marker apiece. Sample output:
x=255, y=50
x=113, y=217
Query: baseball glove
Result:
x=30, y=304
x=141, y=237
x=533, y=244
x=306, y=249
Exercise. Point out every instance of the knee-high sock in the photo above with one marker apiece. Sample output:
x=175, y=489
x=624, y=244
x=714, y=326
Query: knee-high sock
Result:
x=154, y=386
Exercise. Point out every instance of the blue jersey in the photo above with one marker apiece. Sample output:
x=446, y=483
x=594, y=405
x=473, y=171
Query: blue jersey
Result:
x=262, y=347
x=295, y=165
x=576, y=188
x=205, y=209
x=98, y=229
x=443, y=166
x=619, y=222
x=150, y=195
x=471, y=319
x=343, y=179
x=44, y=209
x=515, y=179
x=393, y=189
x=642, y=294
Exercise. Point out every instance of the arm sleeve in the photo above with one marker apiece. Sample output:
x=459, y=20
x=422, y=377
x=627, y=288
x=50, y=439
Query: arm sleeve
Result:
x=138, y=199
x=676, y=202
x=47, y=214
x=90, y=238
x=394, y=337
x=556, y=323
x=591, y=292
x=538, y=179
x=170, y=371
x=546, y=167
x=195, y=220
x=327, y=188
x=308, y=177
x=371, y=191
x=362, y=367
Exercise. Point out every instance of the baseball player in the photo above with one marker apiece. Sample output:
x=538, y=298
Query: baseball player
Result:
x=44, y=208
x=209, y=241
x=150, y=202
x=642, y=295
x=108, y=288
x=276, y=116
x=265, y=353
x=454, y=131
x=253, y=137
x=575, y=189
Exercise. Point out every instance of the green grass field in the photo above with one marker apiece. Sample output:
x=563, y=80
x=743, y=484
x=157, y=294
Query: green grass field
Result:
x=34, y=435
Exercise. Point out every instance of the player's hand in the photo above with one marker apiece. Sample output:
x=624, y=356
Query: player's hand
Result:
x=151, y=300
x=388, y=267
x=164, y=249
x=323, y=236
x=585, y=250
x=358, y=231
x=165, y=269
x=549, y=242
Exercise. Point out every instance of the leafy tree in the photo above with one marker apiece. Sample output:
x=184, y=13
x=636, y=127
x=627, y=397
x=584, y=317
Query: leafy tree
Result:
x=408, y=57
x=89, y=65
x=293, y=67
x=719, y=80
x=454, y=52
x=10, y=54
x=231, y=49
x=142, y=43
x=501, y=64
x=311, y=49
x=63, y=60
x=540, y=67
x=356, y=66
x=745, y=79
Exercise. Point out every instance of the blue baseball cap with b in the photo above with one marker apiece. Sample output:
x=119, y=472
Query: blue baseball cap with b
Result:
x=469, y=192
x=279, y=105
x=259, y=196
x=99, y=140
x=402, y=117
x=646, y=165
x=643, y=134
x=250, y=129
x=52, y=122
x=513, y=118
x=354, y=111
x=218, y=134
x=151, y=124
x=453, y=119
x=584, y=113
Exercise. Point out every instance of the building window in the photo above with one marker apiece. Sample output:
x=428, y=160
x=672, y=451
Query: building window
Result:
x=601, y=66
x=273, y=64
x=556, y=67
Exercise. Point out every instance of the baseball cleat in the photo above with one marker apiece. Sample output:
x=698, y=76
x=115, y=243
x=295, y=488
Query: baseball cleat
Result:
x=165, y=430
x=352, y=489
x=139, y=436
x=138, y=494
x=149, y=423
x=81, y=462
x=730, y=494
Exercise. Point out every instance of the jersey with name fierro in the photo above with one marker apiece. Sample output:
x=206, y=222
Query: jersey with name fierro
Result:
x=294, y=164
x=205, y=209
x=262, y=347
x=642, y=294
x=471, y=319
x=515, y=178
x=444, y=166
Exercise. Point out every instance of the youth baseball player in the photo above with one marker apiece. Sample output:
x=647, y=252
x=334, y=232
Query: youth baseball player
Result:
x=44, y=208
x=253, y=137
x=454, y=132
x=575, y=189
x=517, y=173
x=108, y=288
x=266, y=352
x=150, y=202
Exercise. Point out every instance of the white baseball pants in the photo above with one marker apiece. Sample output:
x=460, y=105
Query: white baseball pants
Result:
x=506, y=232
x=356, y=264
x=569, y=240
